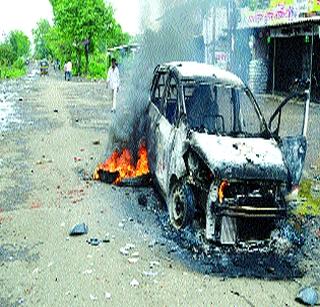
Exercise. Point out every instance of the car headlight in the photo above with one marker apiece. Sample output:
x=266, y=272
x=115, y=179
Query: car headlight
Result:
x=221, y=190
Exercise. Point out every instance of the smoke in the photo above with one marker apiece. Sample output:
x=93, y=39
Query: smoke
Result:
x=170, y=36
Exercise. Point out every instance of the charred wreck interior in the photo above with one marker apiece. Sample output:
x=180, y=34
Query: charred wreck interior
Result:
x=213, y=157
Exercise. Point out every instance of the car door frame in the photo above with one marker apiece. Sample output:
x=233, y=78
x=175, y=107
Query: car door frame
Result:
x=293, y=148
x=168, y=141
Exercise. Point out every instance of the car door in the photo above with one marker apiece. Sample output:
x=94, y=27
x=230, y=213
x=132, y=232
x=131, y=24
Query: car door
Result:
x=154, y=115
x=165, y=132
x=293, y=144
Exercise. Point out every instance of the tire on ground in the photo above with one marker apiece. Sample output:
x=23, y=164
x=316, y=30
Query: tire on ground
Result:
x=181, y=205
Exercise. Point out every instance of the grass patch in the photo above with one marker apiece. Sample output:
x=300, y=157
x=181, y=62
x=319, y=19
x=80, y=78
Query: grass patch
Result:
x=311, y=205
x=12, y=72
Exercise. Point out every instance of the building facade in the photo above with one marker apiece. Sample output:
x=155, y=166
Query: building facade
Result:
x=283, y=38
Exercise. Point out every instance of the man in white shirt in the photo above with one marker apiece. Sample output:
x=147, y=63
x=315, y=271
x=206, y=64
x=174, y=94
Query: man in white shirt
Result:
x=69, y=70
x=113, y=82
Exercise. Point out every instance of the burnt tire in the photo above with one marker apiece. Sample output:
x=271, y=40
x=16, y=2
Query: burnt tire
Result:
x=181, y=205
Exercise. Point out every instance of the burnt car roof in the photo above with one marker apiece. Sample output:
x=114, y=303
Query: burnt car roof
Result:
x=201, y=71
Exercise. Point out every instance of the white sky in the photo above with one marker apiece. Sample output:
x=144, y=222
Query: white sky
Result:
x=127, y=14
x=24, y=14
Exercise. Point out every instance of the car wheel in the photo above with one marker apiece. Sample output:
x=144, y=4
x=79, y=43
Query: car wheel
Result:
x=181, y=205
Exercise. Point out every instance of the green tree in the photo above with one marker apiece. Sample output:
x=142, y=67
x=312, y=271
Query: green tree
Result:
x=20, y=43
x=7, y=54
x=85, y=27
x=41, y=37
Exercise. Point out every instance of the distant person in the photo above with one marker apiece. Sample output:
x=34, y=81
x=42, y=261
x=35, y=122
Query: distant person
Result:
x=65, y=71
x=113, y=82
x=69, y=70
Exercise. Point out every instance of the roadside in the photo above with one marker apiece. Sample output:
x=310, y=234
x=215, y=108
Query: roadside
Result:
x=46, y=163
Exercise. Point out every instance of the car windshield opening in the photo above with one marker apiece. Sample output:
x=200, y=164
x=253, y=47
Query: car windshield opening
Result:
x=221, y=109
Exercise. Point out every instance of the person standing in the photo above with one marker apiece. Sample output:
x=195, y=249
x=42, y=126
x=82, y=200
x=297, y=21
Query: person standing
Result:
x=113, y=82
x=65, y=71
x=69, y=70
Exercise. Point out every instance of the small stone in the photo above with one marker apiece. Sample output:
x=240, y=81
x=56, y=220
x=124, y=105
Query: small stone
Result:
x=87, y=272
x=107, y=296
x=142, y=200
x=79, y=229
x=133, y=260
x=134, y=283
x=121, y=225
x=55, y=111
x=152, y=243
x=97, y=142
x=93, y=298
x=150, y=273
x=94, y=241
x=135, y=254
x=154, y=263
x=308, y=296
x=129, y=246
x=20, y=301
x=123, y=251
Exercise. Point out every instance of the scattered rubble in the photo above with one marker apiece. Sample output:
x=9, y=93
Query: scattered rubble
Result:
x=134, y=283
x=94, y=241
x=308, y=296
x=79, y=229
x=125, y=250
x=150, y=273
x=142, y=200
x=93, y=297
x=133, y=260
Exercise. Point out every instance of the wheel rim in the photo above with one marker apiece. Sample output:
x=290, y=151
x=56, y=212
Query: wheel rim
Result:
x=178, y=209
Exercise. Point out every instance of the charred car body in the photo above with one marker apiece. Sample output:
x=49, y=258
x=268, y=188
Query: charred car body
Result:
x=212, y=154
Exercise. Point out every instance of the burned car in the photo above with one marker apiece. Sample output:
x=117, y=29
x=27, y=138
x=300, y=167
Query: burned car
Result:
x=212, y=154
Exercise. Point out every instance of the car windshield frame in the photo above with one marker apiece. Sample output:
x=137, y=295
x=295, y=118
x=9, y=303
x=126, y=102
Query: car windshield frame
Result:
x=264, y=131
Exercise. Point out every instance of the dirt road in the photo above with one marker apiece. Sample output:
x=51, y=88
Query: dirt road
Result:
x=45, y=161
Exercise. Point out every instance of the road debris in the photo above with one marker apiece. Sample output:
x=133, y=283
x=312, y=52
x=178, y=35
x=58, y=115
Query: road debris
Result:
x=150, y=273
x=133, y=260
x=125, y=250
x=79, y=229
x=134, y=283
x=94, y=241
x=93, y=297
x=87, y=272
x=308, y=296
x=142, y=200
x=154, y=264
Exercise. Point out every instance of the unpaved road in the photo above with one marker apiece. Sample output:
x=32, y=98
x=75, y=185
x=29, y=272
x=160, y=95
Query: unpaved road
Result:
x=44, y=162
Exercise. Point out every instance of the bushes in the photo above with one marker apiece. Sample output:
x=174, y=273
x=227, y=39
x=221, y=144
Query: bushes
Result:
x=13, y=50
x=98, y=67
x=11, y=72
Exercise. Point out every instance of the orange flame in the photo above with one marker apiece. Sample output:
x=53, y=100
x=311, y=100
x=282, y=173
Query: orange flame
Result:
x=122, y=163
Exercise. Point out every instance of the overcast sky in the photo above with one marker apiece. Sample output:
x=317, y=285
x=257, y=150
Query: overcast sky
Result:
x=24, y=14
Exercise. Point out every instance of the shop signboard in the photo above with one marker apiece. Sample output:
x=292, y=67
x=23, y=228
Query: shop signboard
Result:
x=279, y=12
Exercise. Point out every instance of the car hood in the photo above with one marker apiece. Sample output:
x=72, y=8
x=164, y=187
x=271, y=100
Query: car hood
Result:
x=240, y=158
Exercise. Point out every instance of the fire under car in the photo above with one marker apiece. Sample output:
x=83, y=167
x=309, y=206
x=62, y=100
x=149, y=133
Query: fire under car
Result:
x=213, y=155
